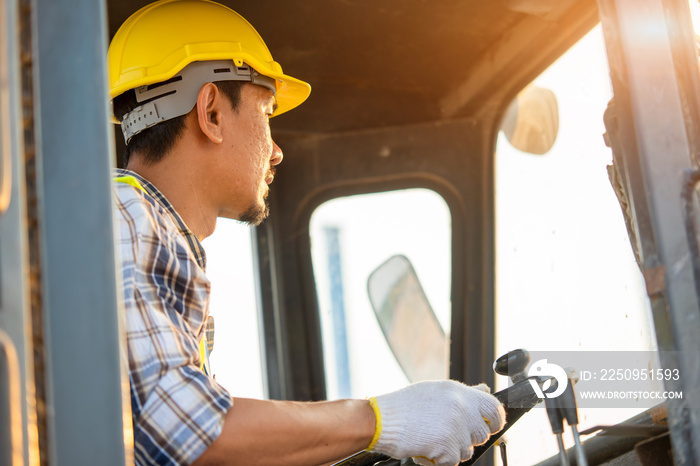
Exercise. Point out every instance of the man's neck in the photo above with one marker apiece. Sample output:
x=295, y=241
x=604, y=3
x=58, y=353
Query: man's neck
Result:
x=179, y=182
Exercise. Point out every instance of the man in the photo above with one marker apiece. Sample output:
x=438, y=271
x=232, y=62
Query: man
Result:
x=193, y=86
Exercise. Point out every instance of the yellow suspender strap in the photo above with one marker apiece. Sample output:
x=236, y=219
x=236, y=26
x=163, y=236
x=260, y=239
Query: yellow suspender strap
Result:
x=130, y=180
x=203, y=353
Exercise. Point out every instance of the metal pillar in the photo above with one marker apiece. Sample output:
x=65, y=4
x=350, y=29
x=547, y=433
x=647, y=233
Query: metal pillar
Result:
x=274, y=343
x=88, y=418
x=647, y=44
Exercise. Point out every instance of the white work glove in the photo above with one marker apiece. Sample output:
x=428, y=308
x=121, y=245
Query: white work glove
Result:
x=440, y=420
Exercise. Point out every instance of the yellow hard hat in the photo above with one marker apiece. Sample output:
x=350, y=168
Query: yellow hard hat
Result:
x=162, y=38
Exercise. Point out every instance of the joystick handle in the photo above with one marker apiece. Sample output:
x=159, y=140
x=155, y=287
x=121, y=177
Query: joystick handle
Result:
x=513, y=364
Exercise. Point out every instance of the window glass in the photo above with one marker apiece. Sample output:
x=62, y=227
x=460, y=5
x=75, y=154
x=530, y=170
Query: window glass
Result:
x=235, y=360
x=350, y=238
x=567, y=279
x=695, y=17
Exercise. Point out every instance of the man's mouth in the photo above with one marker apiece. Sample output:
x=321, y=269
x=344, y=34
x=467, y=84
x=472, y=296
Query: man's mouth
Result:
x=270, y=176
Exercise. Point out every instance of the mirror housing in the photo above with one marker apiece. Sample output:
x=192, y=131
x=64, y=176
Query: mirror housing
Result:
x=531, y=122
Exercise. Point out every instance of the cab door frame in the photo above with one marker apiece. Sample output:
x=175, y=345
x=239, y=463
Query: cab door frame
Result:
x=654, y=69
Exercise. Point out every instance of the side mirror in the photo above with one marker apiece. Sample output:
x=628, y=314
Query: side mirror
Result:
x=531, y=122
x=409, y=324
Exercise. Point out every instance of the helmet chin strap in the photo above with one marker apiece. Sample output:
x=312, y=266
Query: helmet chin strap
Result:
x=177, y=96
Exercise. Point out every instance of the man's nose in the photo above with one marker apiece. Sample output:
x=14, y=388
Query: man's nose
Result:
x=277, y=155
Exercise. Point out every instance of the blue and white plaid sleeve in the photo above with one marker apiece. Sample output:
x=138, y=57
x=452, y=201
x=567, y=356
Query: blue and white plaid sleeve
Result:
x=177, y=410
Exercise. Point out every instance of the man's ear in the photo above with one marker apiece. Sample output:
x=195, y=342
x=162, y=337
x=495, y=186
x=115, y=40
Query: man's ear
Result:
x=209, y=112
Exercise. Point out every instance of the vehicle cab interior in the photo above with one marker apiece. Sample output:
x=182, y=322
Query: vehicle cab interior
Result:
x=466, y=179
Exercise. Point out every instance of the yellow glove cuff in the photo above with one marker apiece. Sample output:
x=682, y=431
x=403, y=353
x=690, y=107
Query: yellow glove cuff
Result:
x=378, y=428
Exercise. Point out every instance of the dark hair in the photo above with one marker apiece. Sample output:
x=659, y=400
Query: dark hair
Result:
x=153, y=143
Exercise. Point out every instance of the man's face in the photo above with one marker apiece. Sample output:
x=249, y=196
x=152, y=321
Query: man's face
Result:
x=250, y=155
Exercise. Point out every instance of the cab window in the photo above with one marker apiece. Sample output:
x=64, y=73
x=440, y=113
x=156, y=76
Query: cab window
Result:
x=397, y=240
x=236, y=360
x=566, y=279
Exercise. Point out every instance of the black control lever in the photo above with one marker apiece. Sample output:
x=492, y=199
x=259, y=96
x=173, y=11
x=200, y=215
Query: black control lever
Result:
x=517, y=400
x=566, y=404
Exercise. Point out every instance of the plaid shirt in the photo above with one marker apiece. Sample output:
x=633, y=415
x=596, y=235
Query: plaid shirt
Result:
x=177, y=410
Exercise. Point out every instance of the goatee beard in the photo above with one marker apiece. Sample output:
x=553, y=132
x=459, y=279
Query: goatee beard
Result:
x=256, y=213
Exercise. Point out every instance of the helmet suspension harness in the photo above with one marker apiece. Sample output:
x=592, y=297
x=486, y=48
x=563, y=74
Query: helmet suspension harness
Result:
x=177, y=96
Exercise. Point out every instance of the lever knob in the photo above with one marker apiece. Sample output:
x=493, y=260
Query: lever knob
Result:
x=513, y=364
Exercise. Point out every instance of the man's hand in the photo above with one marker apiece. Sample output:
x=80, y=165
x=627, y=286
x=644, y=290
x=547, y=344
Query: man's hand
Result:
x=438, y=420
